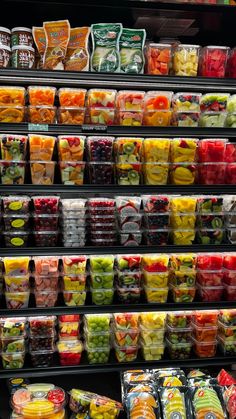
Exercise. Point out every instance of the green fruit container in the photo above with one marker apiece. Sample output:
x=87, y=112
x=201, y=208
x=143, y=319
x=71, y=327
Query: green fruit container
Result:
x=13, y=147
x=102, y=280
x=12, y=172
x=13, y=360
x=12, y=327
x=104, y=263
x=152, y=352
x=102, y=296
x=183, y=278
x=128, y=173
x=74, y=298
x=97, y=340
x=152, y=337
x=126, y=353
x=13, y=345
x=179, y=319
x=98, y=355
x=96, y=323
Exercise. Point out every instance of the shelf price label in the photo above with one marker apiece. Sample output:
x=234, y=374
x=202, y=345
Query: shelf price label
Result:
x=37, y=127
x=94, y=128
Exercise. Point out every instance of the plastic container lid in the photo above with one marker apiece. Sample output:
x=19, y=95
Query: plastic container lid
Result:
x=21, y=29
x=3, y=29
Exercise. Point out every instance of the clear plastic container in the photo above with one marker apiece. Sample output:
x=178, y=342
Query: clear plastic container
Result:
x=13, y=147
x=41, y=95
x=97, y=339
x=183, y=278
x=129, y=100
x=16, y=344
x=71, y=148
x=209, y=294
x=17, y=283
x=102, y=280
x=101, y=98
x=42, y=325
x=12, y=95
x=186, y=102
x=46, y=222
x=70, y=115
x=213, y=61
x=40, y=343
x=16, y=238
x=12, y=114
x=16, y=204
x=227, y=348
x=42, y=358
x=13, y=360
x=98, y=355
x=73, y=207
x=179, y=350
x=212, y=119
x=185, y=60
x=183, y=294
x=157, y=100
x=153, y=320
x=46, y=205
x=101, y=173
x=46, y=283
x=129, y=278
x=70, y=352
x=210, y=236
x=126, y=353
x=230, y=292
x=155, y=173
x=179, y=319
x=69, y=327
x=74, y=298
x=16, y=301
x=12, y=172
x=14, y=222
x=183, y=237
x=45, y=298
x=102, y=296
x=100, y=148
x=205, y=318
x=157, y=118
x=128, y=173
x=41, y=147
x=46, y=238
x=71, y=96
x=72, y=173
x=156, y=295
x=205, y=349
x=42, y=172
x=178, y=335
x=42, y=114
x=101, y=116
x=229, y=277
x=130, y=238
x=204, y=334
x=152, y=352
x=214, y=102
x=158, y=59
x=128, y=295
x=74, y=282
x=210, y=262
x=152, y=337
x=97, y=322
x=185, y=119
x=11, y=327
x=226, y=333
x=125, y=321
x=210, y=278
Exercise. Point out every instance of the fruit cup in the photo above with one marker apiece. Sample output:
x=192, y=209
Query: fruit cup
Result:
x=183, y=237
x=156, y=150
x=97, y=340
x=205, y=349
x=227, y=317
x=71, y=96
x=229, y=277
x=227, y=348
x=213, y=61
x=69, y=352
x=12, y=172
x=102, y=280
x=42, y=325
x=157, y=101
x=42, y=172
x=231, y=64
x=183, y=278
x=186, y=102
x=72, y=173
x=182, y=294
x=158, y=237
x=13, y=345
x=185, y=60
x=101, y=173
x=102, y=296
x=185, y=119
x=155, y=173
x=230, y=174
x=210, y=278
x=39, y=343
x=156, y=221
x=101, y=116
x=128, y=337
x=156, y=118
x=10, y=95
x=17, y=283
x=16, y=266
x=205, y=318
x=16, y=238
x=16, y=204
x=74, y=298
x=13, y=360
x=71, y=147
x=179, y=319
x=129, y=173
x=46, y=265
x=13, y=147
x=179, y=350
x=98, y=355
x=156, y=295
x=130, y=238
x=152, y=336
x=11, y=327
x=212, y=119
x=229, y=261
x=210, y=293
x=129, y=118
x=101, y=98
x=74, y=265
x=129, y=279
x=128, y=295
x=183, y=150
x=14, y=222
x=214, y=102
x=183, y=173
x=183, y=262
x=127, y=100
x=46, y=205
x=101, y=206
x=69, y=325
x=74, y=282
x=230, y=292
x=178, y=335
x=97, y=322
x=128, y=150
x=47, y=282
x=16, y=301
x=42, y=114
x=210, y=236
x=210, y=205
x=42, y=359
x=126, y=353
x=41, y=95
x=156, y=279
x=102, y=406
x=152, y=352
x=41, y=147
x=210, y=220
x=126, y=321
x=46, y=238
x=212, y=173
x=100, y=149
x=45, y=298
x=45, y=222
x=158, y=59
x=181, y=221
x=230, y=121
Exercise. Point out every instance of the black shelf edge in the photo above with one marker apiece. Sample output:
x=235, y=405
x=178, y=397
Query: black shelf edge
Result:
x=117, y=189
x=11, y=76
x=93, y=250
x=117, y=130
x=117, y=308
x=115, y=367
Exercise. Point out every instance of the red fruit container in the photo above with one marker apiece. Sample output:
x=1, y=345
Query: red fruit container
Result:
x=231, y=64
x=70, y=352
x=204, y=349
x=205, y=318
x=210, y=261
x=230, y=174
x=230, y=277
x=230, y=293
x=230, y=153
x=213, y=60
x=230, y=261
x=212, y=173
x=210, y=278
x=209, y=294
x=158, y=59
x=212, y=150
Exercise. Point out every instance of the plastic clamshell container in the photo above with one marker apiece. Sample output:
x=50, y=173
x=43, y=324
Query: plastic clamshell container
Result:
x=16, y=204
x=46, y=205
x=185, y=60
x=179, y=350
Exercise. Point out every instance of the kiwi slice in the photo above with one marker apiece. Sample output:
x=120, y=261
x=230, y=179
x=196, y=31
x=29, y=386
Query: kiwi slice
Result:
x=217, y=222
x=14, y=150
x=133, y=177
x=12, y=172
x=128, y=148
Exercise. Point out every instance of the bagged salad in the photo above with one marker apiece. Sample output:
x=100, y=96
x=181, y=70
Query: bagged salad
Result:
x=105, y=55
x=132, y=43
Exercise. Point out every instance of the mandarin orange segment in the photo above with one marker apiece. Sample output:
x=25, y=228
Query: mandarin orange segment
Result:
x=72, y=97
x=41, y=95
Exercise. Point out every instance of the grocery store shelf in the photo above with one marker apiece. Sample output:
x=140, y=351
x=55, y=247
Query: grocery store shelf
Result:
x=141, y=131
x=117, y=307
x=116, y=367
x=11, y=76
x=91, y=250
x=116, y=189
